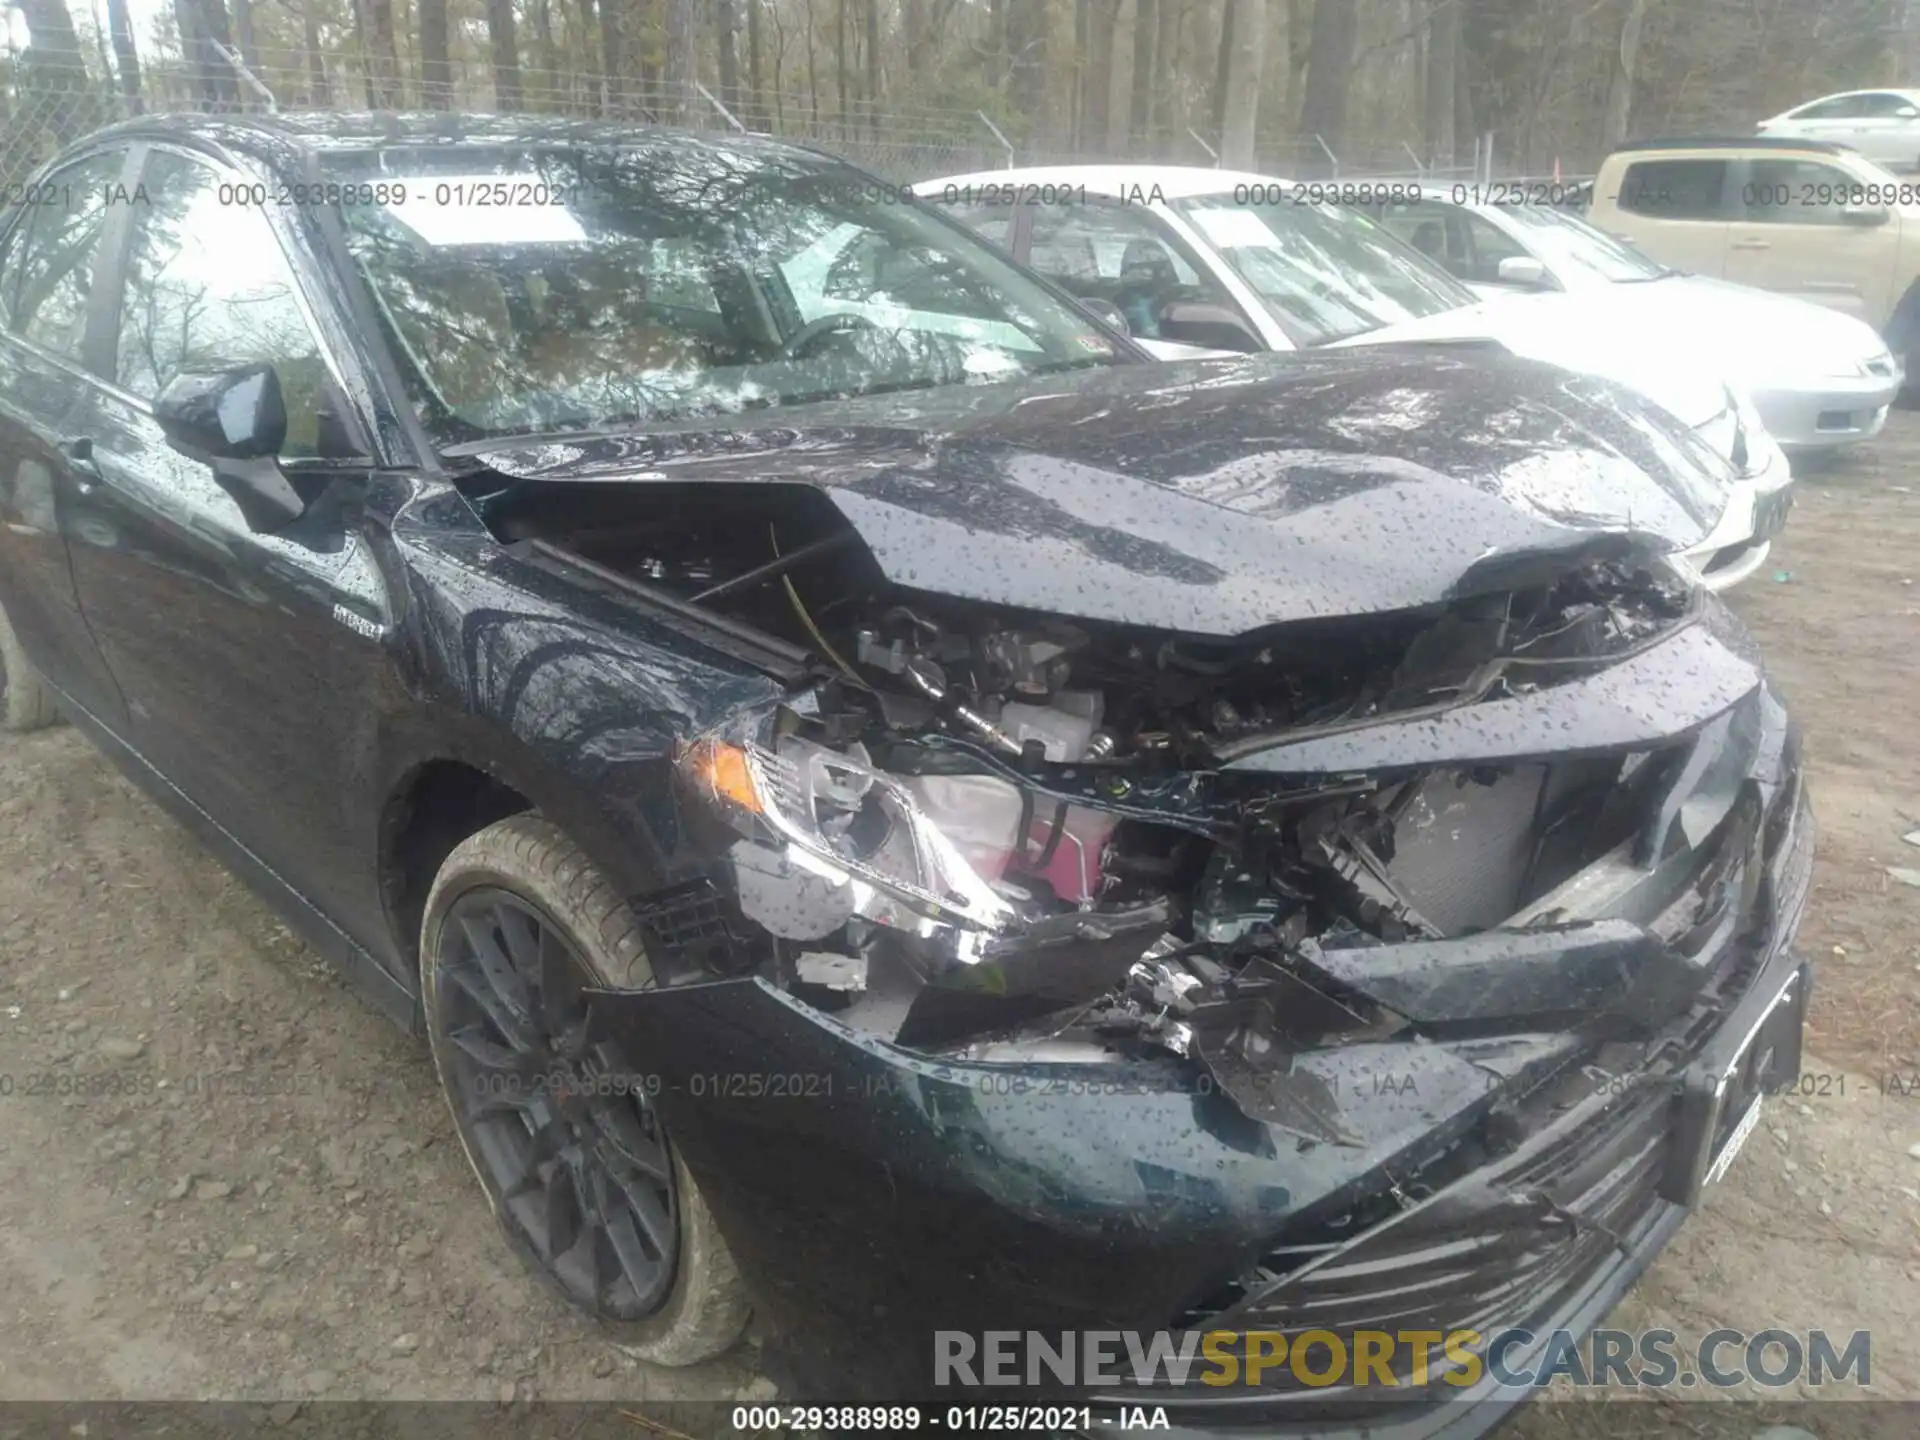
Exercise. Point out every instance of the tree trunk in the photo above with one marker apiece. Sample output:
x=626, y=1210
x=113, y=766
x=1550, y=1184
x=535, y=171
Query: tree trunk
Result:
x=756, y=46
x=681, y=72
x=503, y=45
x=382, y=65
x=726, y=19
x=1166, y=66
x=547, y=91
x=1443, y=74
x=203, y=23
x=1626, y=56
x=1102, y=20
x=1222, y=59
x=126, y=58
x=813, y=73
x=436, y=70
x=840, y=60
x=1246, y=47
x=614, y=57
x=1145, y=13
x=873, y=67
x=916, y=16
x=1323, y=110
x=319, y=93
x=243, y=36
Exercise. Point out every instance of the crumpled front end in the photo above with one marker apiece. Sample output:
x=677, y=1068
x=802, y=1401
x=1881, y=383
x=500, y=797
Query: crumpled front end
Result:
x=1403, y=971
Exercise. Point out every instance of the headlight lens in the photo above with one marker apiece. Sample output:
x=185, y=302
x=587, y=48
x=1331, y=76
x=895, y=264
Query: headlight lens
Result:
x=834, y=815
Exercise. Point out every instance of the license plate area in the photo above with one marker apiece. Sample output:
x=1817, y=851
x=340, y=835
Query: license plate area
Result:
x=1756, y=1052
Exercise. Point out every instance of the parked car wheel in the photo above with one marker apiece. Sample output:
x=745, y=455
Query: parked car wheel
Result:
x=576, y=1166
x=25, y=701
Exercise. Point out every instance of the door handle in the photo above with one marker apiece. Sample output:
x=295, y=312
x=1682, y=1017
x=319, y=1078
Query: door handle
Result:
x=1753, y=245
x=78, y=453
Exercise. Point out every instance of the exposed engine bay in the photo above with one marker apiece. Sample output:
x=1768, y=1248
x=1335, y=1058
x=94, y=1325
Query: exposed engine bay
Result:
x=976, y=828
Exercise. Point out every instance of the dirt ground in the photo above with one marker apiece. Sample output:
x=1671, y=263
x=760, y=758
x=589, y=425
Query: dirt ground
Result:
x=279, y=1211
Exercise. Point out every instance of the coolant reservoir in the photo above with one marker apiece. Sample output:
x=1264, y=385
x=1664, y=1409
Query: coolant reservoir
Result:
x=979, y=814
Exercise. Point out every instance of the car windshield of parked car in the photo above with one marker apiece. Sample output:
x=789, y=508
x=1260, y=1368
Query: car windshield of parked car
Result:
x=1576, y=251
x=1325, y=273
x=552, y=291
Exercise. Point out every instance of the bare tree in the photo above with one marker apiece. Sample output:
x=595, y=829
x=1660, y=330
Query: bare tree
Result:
x=319, y=93
x=126, y=59
x=1103, y=19
x=503, y=45
x=1442, y=75
x=726, y=21
x=436, y=69
x=874, y=87
x=756, y=78
x=681, y=74
x=383, y=67
x=1145, y=31
x=1245, y=44
x=1323, y=108
x=1619, y=111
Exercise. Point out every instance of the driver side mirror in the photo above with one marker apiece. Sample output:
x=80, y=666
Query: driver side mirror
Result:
x=235, y=421
x=1211, y=327
x=1865, y=216
x=1524, y=271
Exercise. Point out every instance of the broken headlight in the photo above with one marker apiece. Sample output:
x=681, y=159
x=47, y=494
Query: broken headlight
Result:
x=826, y=837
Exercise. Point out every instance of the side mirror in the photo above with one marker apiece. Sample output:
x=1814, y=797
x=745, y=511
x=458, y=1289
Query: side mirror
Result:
x=1212, y=327
x=1523, y=270
x=1108, y=314
x=1865, y=216
x=1906, y=112
x=236, y=421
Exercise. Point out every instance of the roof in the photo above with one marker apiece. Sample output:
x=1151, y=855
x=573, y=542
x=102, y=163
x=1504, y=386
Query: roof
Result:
x=1733, y=142
x=290, y=135
x=1173, y=181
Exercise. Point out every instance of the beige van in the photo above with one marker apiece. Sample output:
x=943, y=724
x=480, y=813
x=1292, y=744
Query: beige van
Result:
x=1797, y=216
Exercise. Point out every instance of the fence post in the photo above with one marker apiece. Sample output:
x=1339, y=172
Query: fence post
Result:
x=711, y=100
x=1332, y=159
x=1005, y=144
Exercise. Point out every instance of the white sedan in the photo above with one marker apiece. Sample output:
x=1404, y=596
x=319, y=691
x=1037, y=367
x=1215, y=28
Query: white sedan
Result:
x=1196, y=262
x=1882, y=125
x=1819, y=379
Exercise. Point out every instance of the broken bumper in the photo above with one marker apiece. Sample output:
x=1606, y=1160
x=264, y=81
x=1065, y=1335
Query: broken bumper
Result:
x=874, y=1196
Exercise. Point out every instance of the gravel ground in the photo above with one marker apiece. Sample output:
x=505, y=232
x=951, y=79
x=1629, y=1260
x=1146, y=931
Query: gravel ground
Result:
x=274, y=1207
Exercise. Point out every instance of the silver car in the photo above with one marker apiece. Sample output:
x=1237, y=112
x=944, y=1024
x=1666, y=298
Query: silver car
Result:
x=1819, y=379
x=1882, y=125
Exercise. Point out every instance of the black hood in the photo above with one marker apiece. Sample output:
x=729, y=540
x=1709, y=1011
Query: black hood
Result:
x=1218, y=497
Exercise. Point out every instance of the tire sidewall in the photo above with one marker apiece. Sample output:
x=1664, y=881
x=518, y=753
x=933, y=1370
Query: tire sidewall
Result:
x=702, y=1261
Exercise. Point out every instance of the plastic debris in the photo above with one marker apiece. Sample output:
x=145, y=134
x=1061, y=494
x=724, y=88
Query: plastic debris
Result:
x=1782, y=577
x=1904, y=875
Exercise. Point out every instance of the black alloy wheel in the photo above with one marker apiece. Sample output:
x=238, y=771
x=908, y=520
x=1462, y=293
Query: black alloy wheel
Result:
x=567, y=1144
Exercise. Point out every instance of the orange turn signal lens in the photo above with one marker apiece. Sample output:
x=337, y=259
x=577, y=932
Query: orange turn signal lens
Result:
x=723, y=769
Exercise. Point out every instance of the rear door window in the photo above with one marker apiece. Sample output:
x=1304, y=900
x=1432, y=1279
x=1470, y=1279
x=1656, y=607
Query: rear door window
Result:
x=1675, y=189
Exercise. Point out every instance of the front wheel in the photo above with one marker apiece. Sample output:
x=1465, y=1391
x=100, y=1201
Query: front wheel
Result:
x=25, y=701
x=572, y=1158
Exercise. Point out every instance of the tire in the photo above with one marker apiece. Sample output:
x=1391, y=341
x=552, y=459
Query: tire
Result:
x=560, y=1137
x=25, y=701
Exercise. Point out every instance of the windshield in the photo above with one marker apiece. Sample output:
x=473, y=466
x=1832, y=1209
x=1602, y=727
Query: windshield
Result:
x=1325, y=273
x=551, y=290
x=1575, y=250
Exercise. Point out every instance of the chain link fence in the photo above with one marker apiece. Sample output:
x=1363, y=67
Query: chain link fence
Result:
x=46, y=104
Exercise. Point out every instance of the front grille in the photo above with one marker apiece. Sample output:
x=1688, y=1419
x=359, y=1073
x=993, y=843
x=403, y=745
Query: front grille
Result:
x=1498, y=1248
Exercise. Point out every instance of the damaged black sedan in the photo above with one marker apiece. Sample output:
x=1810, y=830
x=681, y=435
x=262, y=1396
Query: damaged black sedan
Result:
x=893, y=814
